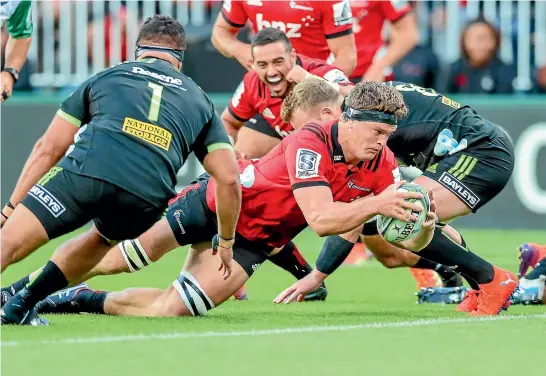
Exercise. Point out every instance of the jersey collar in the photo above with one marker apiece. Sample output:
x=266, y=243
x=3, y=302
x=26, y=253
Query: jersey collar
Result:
x=337, y=152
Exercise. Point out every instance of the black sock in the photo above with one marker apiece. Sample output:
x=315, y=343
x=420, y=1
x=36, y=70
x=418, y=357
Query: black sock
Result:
x=15, y=287
x=50, y=279
x=447, y=252
x=291, y=260
x=91, y=301
x=540, y=269
x=444, y=272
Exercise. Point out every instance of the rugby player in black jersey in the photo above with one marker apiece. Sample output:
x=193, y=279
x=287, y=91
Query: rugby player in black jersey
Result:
x=132, y=127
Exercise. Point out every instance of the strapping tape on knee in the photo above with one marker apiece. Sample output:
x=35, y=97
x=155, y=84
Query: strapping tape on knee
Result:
x=134, y=254
x=193, y=295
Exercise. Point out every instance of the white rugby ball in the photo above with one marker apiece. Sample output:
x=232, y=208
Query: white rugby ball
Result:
x=395, y=230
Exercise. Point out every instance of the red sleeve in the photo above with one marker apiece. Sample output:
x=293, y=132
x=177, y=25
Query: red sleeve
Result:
x=337, y=19
x=234, y=13
x=395, y=9
x=387, y=173
x=307, y=157
x=241, y=106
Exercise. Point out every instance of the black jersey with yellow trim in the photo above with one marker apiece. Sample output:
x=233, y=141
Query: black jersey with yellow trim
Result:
x=139, y=121
x=436, y=126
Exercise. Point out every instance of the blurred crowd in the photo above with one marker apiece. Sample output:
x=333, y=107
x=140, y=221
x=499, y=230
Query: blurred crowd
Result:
x=478, y=70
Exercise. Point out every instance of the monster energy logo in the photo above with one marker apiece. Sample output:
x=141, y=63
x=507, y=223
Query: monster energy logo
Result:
x=49, y=175
x=463, y=167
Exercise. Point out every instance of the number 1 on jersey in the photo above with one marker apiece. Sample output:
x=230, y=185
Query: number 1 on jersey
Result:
x=157, y=90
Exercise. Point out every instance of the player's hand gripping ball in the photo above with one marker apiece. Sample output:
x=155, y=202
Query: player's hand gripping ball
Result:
x=395, y=230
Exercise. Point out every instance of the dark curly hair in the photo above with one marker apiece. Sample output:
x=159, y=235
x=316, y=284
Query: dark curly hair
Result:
x=164, y=31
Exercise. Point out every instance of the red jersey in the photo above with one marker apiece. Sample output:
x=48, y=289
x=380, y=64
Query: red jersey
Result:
x=369, y=17
x=306, y=23
x=311, y=156
x=252, y=95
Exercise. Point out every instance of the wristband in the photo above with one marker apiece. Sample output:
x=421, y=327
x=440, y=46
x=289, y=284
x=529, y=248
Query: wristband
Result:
x=231, y=140
x=13, y=72
x=10, y=205
x=333, y=253
x=3, y=215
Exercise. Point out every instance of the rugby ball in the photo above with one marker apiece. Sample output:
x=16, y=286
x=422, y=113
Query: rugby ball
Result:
x=394, y=230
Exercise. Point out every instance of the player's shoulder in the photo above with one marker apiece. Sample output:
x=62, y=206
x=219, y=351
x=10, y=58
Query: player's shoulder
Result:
x=252, y=85
x=309, y=63
x=383, y=162
x=315, y=131
x=388, y=159
x=310, y=135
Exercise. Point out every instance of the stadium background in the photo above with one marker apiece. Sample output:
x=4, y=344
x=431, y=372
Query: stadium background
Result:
x=370, y=322
x=74, y=39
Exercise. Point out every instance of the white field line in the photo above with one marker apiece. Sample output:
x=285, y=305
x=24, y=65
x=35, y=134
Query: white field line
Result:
x=266, y=332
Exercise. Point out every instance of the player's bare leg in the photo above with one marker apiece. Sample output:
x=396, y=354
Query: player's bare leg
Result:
x=199, y=284
x=254, y=144
x=448, y=206
x=18, y=241
x=152, y=245
x=497, y=283
x=425, y=272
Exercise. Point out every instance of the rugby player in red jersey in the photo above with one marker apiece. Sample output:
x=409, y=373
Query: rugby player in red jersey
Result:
x=276, y=68
x=375, y=59
x=320, y=176
x=260, y=95
x=315, y=29
x=417, y=134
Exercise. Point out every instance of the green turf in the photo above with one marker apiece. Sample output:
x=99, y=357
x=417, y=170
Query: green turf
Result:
x=365, y=295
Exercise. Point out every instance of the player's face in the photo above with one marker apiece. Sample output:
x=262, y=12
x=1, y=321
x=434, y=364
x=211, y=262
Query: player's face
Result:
x=320, y=114
x=272, y=62
x=366, y=139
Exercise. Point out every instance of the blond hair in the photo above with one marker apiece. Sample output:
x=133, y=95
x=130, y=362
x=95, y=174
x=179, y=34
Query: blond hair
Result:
x=306, y=95
x=376, y=96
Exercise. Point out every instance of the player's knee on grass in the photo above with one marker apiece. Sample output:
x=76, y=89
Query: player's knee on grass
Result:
x=195, y=298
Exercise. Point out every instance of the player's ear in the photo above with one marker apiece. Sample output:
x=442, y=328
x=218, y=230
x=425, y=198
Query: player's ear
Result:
x=293, y=56
x=326, y=113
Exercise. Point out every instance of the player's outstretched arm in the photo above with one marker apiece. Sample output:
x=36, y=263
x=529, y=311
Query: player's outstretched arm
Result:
x=334, y=251
x=327, y=217
x=224, y=39
x=19, y=27
x=403, y=38
x=46, y=153
x=222, y=166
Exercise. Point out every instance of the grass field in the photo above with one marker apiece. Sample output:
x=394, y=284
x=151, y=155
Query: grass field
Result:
x=370, y=324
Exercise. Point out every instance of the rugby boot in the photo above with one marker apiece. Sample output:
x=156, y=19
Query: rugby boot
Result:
x=470, y=302
x=358, y=255
x=529, y=255
x=530, y=291
x=494, y=296
x=16, y=312
x=317, y=295
x=5, y=295
x=425, y=278
x=63, y=301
